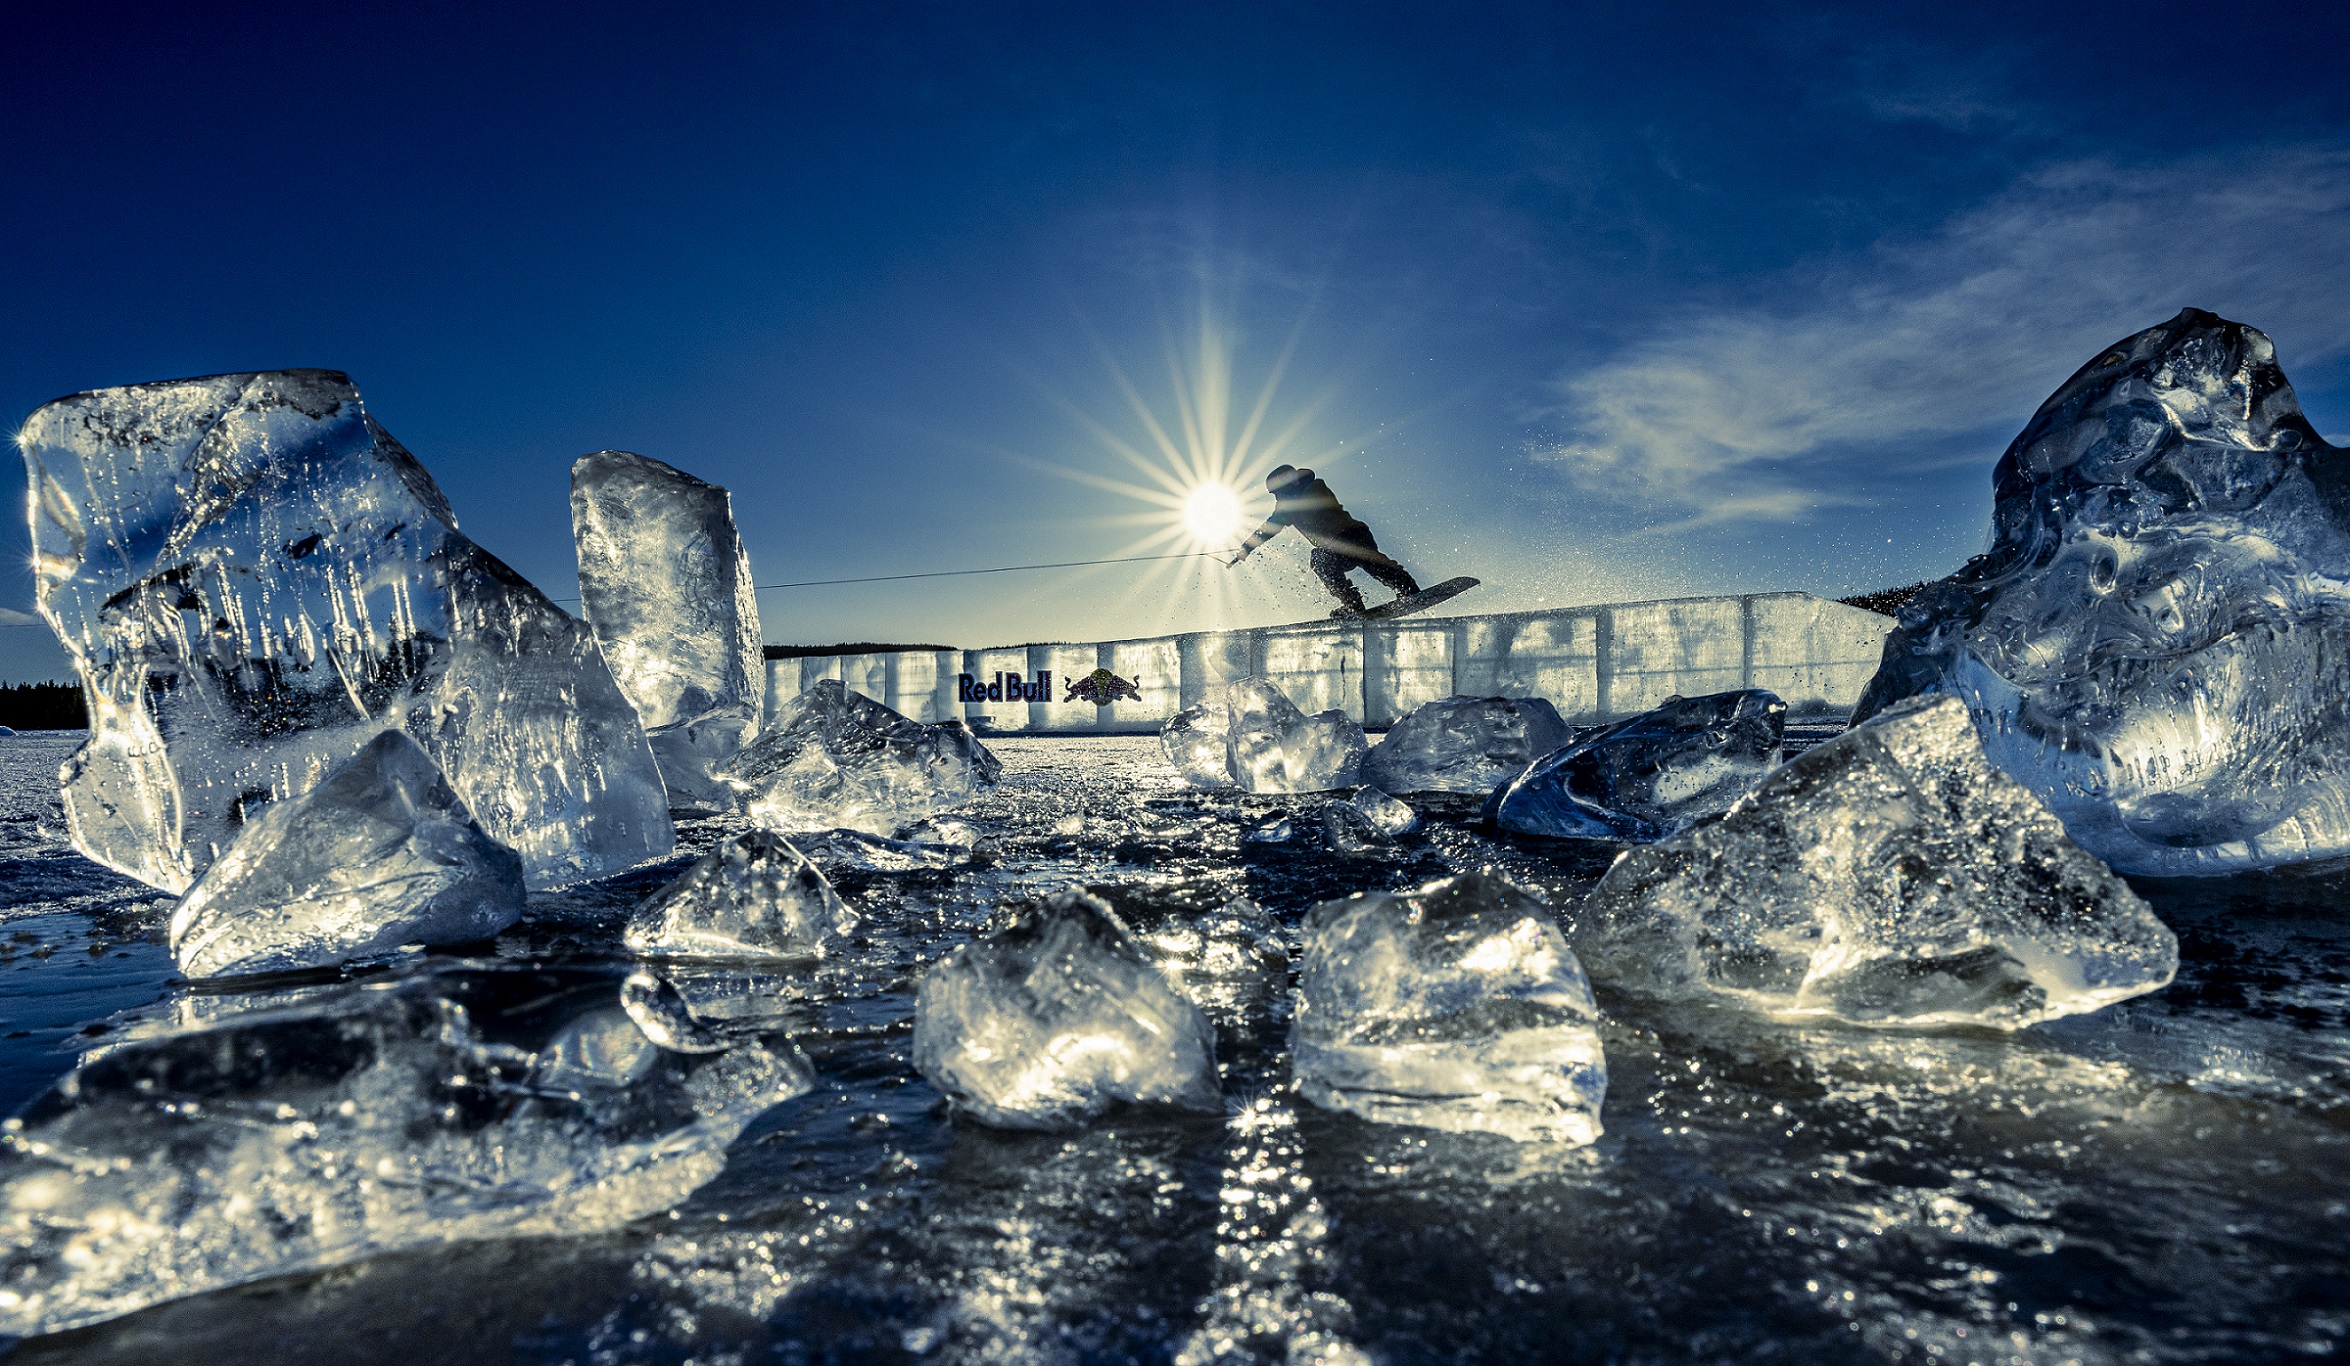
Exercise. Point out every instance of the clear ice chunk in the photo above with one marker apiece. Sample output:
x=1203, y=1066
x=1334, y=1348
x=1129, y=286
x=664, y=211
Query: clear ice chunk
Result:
x=1236, y=941
x=835, y=758
x=253, y=579
x=457, y=1104
x=1274, y=747
x=380, y=854
x=1390, y=816
x=753, y=896
x=1197, y=740
x=2157, y=643
x=1891, y=876
x=1647, y=776
x=1464, y=744
x=666, y=586
x=1275, y=829
x=1056, y=1016
x=1370, y=822
x=1454, y=1006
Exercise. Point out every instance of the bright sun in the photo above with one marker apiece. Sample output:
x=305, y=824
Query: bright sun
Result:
x=1211, y=513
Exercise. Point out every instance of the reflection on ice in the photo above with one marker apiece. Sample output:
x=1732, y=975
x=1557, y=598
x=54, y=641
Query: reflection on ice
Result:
x=666, y=586
x=1650, y=775
x=1455, y=1006
x=253, y=579
x=462, y=1103
x=379, y=855
x=2155, y=642
x=1890, y=876
x=1055, y=1017
x=1464, y=744
x=753, y=896
x=831, y=757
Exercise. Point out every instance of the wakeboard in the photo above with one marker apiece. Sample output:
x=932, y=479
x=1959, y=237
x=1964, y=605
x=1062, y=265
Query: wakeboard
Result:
x=1410, y=603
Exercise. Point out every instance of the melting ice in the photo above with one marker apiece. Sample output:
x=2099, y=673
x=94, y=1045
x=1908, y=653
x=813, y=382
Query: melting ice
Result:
x=252, y=579
x=666, y=586
x=1648, y=775
x=753, y=896
x=379, y=855
x=1455, y=1006
x=832, y=757
x=2157, y=643
x=457, y=1104
x=1464, y=744
x=1890, y=876
x=1055, y=1017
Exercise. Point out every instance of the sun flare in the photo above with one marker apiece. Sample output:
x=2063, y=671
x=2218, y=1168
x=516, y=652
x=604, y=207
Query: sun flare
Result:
x=1212, y=515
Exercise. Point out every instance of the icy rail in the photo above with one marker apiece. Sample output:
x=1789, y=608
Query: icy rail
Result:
x=1595, y=663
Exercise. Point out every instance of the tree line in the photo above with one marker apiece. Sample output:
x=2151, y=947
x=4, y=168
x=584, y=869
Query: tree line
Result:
x=43, y=706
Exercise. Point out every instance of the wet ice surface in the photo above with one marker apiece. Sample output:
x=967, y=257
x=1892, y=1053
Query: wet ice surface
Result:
x=2163, y=1180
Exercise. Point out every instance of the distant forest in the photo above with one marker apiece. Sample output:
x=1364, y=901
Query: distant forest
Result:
x=43, y=706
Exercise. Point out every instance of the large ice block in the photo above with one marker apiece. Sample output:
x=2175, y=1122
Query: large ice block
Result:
x=252, y=579
x=1197, y=740
x=1056, y=1016
x=1274, y=747
x=666, y=586
x=1889, y=877
x=753, y=896
x=1454, y=1006
x=1464, y=744
x=460, y=1104
x=2157, y=643
x=1648, y=775
x=380, y=854
x=835, y=758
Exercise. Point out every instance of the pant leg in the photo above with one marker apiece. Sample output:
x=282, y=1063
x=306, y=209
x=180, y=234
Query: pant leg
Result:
x=1331, y=569
x=1395, y=576
x=1360, y=550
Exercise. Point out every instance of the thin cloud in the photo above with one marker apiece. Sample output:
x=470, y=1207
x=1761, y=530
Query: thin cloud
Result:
x=9, y=616
x=1775, y=413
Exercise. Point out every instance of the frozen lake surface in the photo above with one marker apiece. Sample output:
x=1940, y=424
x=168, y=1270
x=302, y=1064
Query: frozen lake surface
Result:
x=2166, y=1180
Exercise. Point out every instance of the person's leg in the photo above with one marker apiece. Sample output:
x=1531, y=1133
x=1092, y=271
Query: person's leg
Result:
x=1331, y=570
x=1394, y=575
x=1361, y=551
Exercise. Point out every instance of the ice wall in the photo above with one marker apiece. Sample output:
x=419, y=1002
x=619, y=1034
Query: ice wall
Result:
x=1594, y=664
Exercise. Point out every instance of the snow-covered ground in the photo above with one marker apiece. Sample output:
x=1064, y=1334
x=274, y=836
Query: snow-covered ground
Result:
x=2167, y=1179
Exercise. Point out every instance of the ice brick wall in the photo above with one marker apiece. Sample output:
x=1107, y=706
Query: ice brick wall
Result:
x=1593, y=663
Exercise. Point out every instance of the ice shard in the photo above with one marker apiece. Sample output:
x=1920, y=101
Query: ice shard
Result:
x=1237, y=942
x=1056, y=1016
x=1197, y=741
x=1464, y=744
x=2157, y=643
x=1274, y=747
x=1650, y=775
x=835, y=758
x=1454, y=1006
x=1366, y=822
x=380, y=854
x=666, y=586
x=1891, y=876
x=753, y=896
x=253, y=579
x=459, y=1104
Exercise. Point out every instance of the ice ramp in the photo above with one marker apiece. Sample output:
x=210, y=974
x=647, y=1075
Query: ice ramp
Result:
x=1593, y=663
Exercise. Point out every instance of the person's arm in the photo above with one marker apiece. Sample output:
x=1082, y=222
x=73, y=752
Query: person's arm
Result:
x=1258, y=537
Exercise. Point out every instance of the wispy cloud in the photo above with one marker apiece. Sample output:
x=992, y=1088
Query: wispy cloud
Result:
x=1870, y=366
x=9, y=616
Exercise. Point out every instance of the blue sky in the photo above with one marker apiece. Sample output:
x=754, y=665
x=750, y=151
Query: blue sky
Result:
x=1592, y=303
